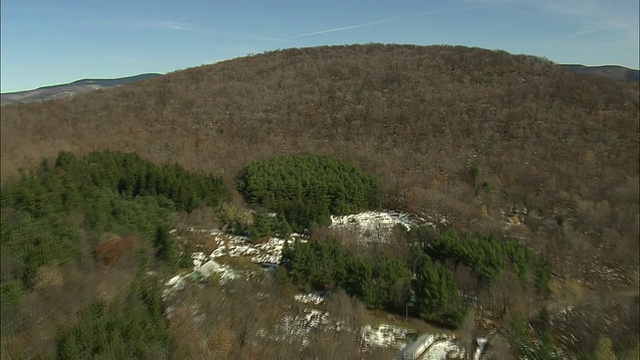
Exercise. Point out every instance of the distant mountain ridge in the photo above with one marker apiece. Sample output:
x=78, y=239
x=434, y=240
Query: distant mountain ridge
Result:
x=614, y=72
x=70, y=89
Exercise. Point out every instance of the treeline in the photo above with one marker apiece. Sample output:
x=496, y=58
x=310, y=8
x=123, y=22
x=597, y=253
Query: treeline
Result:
x=421, y=283
x=57, y=212
x=381, y=282
x=131, y=176
x=308, y=188
x=106, y=210
x=487, y=255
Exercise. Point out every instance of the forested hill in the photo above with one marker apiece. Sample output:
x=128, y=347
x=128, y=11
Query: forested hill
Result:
x=561, y=144
x=534, y=167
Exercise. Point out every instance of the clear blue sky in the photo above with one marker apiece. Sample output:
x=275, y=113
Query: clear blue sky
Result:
x=51, y=42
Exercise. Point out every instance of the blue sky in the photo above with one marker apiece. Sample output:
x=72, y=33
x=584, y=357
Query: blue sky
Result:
x=51, y=42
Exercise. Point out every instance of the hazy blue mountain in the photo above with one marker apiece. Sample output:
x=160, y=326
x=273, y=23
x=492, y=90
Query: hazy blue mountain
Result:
x=69, y=90
x=611, y=71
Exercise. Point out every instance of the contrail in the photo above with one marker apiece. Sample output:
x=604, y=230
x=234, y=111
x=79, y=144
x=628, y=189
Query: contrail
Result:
x=424, y=13
x=186, y=17
x=344, y=28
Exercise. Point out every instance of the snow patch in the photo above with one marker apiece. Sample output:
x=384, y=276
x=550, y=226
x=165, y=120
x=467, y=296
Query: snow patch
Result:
x=174, y=284
x=446, y=346
x=440, y=349
x=377, y=226
x=298, y=327
x=269, y=252
x=385, y=335
x=314, y=298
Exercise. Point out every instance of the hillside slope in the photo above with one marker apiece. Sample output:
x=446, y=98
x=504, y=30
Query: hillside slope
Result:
x=562, y=145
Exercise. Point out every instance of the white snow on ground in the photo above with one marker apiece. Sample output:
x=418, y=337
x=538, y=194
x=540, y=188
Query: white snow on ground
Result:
x=373, y=225
x=315, y=298
x=297, y=327
x=174, y=284
x=446, y=345
x=370, y=226
x=198, y=258
x=269, y=252
x=482, y=343
x=385, y=335
x=292, y=328
x=174, y=280
x=376, y=226
x=203, y=267
x=211, y=267
x=439, y=350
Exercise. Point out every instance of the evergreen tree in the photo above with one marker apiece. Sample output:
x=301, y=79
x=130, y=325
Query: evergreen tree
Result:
x=261, y=225
x=166, y=248
x=69, y=349
x=425, y=287
x=604, y=349
x=308, y=188
x=282, y=229
x=143, y=262
x=437, y=294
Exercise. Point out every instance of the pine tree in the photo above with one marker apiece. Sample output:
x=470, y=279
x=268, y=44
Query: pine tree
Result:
x=281, y=228
x=424, y=286
x=261, y=225
x=166, y=248
x=143, y=263
x=604, y=350
x=69, y=349
x=366, y=288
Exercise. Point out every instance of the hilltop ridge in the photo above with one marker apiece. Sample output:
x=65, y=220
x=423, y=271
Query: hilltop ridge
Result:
x=67, y=90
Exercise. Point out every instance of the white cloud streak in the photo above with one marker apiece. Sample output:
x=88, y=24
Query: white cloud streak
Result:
x=186, y=17
x=345, y=28
x=177, y=25
x=596, y=18
x=424, y=13
x=593, y=16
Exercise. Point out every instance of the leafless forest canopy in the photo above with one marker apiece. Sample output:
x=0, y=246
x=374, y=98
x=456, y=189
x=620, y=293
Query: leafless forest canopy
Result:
x=556, y=142
x=563, y=146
